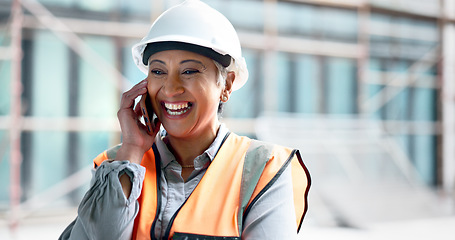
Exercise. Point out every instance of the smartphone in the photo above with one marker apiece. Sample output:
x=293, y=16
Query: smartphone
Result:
x=147, y=113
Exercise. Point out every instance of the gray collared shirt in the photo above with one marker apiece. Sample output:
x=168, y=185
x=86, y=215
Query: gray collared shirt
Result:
x=105, y=213
x=173, y=187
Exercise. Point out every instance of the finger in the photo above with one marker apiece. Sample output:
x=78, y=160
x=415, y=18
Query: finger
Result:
x=128, y=97
x=134, y=92
x=136, y=87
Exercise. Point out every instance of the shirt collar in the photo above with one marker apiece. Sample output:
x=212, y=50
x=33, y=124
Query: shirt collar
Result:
x=167, y=156
x=216, y=144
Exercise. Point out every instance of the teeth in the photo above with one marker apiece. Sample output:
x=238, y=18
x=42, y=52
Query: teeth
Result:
x=177, y=113
x=175, y=106
x=176, y=109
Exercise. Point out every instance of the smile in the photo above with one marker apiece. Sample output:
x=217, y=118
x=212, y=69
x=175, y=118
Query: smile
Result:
x=177, y=109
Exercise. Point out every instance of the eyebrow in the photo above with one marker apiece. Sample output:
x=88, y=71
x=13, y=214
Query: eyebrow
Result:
x=182, y=62
x=158, y=61
x=192, y=60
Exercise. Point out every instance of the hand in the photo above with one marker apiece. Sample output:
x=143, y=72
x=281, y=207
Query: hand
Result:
x=136, y=139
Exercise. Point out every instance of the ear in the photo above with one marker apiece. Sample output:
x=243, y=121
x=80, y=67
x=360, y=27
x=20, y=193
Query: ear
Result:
x=228, y=87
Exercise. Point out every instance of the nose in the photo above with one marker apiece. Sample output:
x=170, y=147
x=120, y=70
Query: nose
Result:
x=173, y=85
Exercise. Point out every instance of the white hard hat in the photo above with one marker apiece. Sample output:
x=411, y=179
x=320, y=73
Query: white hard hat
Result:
x=194, y=26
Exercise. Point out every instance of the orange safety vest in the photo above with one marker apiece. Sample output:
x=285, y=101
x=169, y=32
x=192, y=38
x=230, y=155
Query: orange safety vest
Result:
x=242, y=170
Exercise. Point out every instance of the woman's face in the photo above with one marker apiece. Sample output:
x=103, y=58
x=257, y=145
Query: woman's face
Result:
x=184, y=92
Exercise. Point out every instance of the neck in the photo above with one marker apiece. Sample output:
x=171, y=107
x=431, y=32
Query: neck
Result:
x=186, y=150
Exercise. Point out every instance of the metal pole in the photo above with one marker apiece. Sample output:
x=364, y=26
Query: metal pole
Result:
x=363, y=60
x=448, y=101
x=270, y=97
x=156, y=8
x=16, y=112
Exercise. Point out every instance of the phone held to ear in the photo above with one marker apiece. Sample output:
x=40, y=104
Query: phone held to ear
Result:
x=148, y=113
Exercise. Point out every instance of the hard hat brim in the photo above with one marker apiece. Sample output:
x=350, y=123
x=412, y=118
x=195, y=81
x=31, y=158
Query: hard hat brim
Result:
x=155, y=47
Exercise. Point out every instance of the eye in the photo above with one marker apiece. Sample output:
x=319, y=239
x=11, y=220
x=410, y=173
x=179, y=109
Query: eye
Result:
x=190, y=71
x=157, y=72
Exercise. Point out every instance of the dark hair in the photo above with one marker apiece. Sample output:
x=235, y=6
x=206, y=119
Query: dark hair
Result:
x=220, y=108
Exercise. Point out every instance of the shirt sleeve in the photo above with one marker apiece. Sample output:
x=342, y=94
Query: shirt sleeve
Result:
x=105, y=212
x=273, y=215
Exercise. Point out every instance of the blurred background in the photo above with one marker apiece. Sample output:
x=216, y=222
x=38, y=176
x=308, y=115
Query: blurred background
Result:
x=364, y=88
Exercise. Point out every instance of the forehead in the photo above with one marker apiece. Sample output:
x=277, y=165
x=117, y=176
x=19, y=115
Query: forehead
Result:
x=179, y=56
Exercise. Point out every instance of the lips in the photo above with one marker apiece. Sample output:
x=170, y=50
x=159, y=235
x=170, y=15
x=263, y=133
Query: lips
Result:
x=177, y=109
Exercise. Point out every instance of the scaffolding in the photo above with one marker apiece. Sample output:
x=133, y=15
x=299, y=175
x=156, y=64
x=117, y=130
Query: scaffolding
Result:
x=16, y=110
x=67, y=29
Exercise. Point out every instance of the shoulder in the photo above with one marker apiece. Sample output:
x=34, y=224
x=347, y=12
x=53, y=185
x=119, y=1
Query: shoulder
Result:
x=110, y=153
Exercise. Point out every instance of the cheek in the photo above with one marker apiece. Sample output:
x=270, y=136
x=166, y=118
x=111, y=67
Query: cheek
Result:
x=152, y=90
x=152, y=87
x=213, y=98
x=210, y=90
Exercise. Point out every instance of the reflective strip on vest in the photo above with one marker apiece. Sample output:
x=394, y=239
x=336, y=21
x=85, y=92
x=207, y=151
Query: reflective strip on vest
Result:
x=240, y=173
x=280, y=159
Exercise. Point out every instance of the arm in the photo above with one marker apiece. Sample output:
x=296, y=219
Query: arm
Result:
x=136, y=139
x=108, y=209
x=273, y=215
x=105, y=212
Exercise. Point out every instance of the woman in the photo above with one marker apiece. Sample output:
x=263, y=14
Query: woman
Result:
x=194, y=179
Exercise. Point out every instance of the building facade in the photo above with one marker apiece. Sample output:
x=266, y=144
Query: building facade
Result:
x=379, y=61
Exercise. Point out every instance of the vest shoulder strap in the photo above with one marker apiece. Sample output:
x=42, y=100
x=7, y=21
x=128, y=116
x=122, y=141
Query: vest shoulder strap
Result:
x=256, y=158
x=111, y=153
x=264, y=164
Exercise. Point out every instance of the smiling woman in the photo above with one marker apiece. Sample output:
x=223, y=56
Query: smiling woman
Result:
x=185, y=95
x=190, y=178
